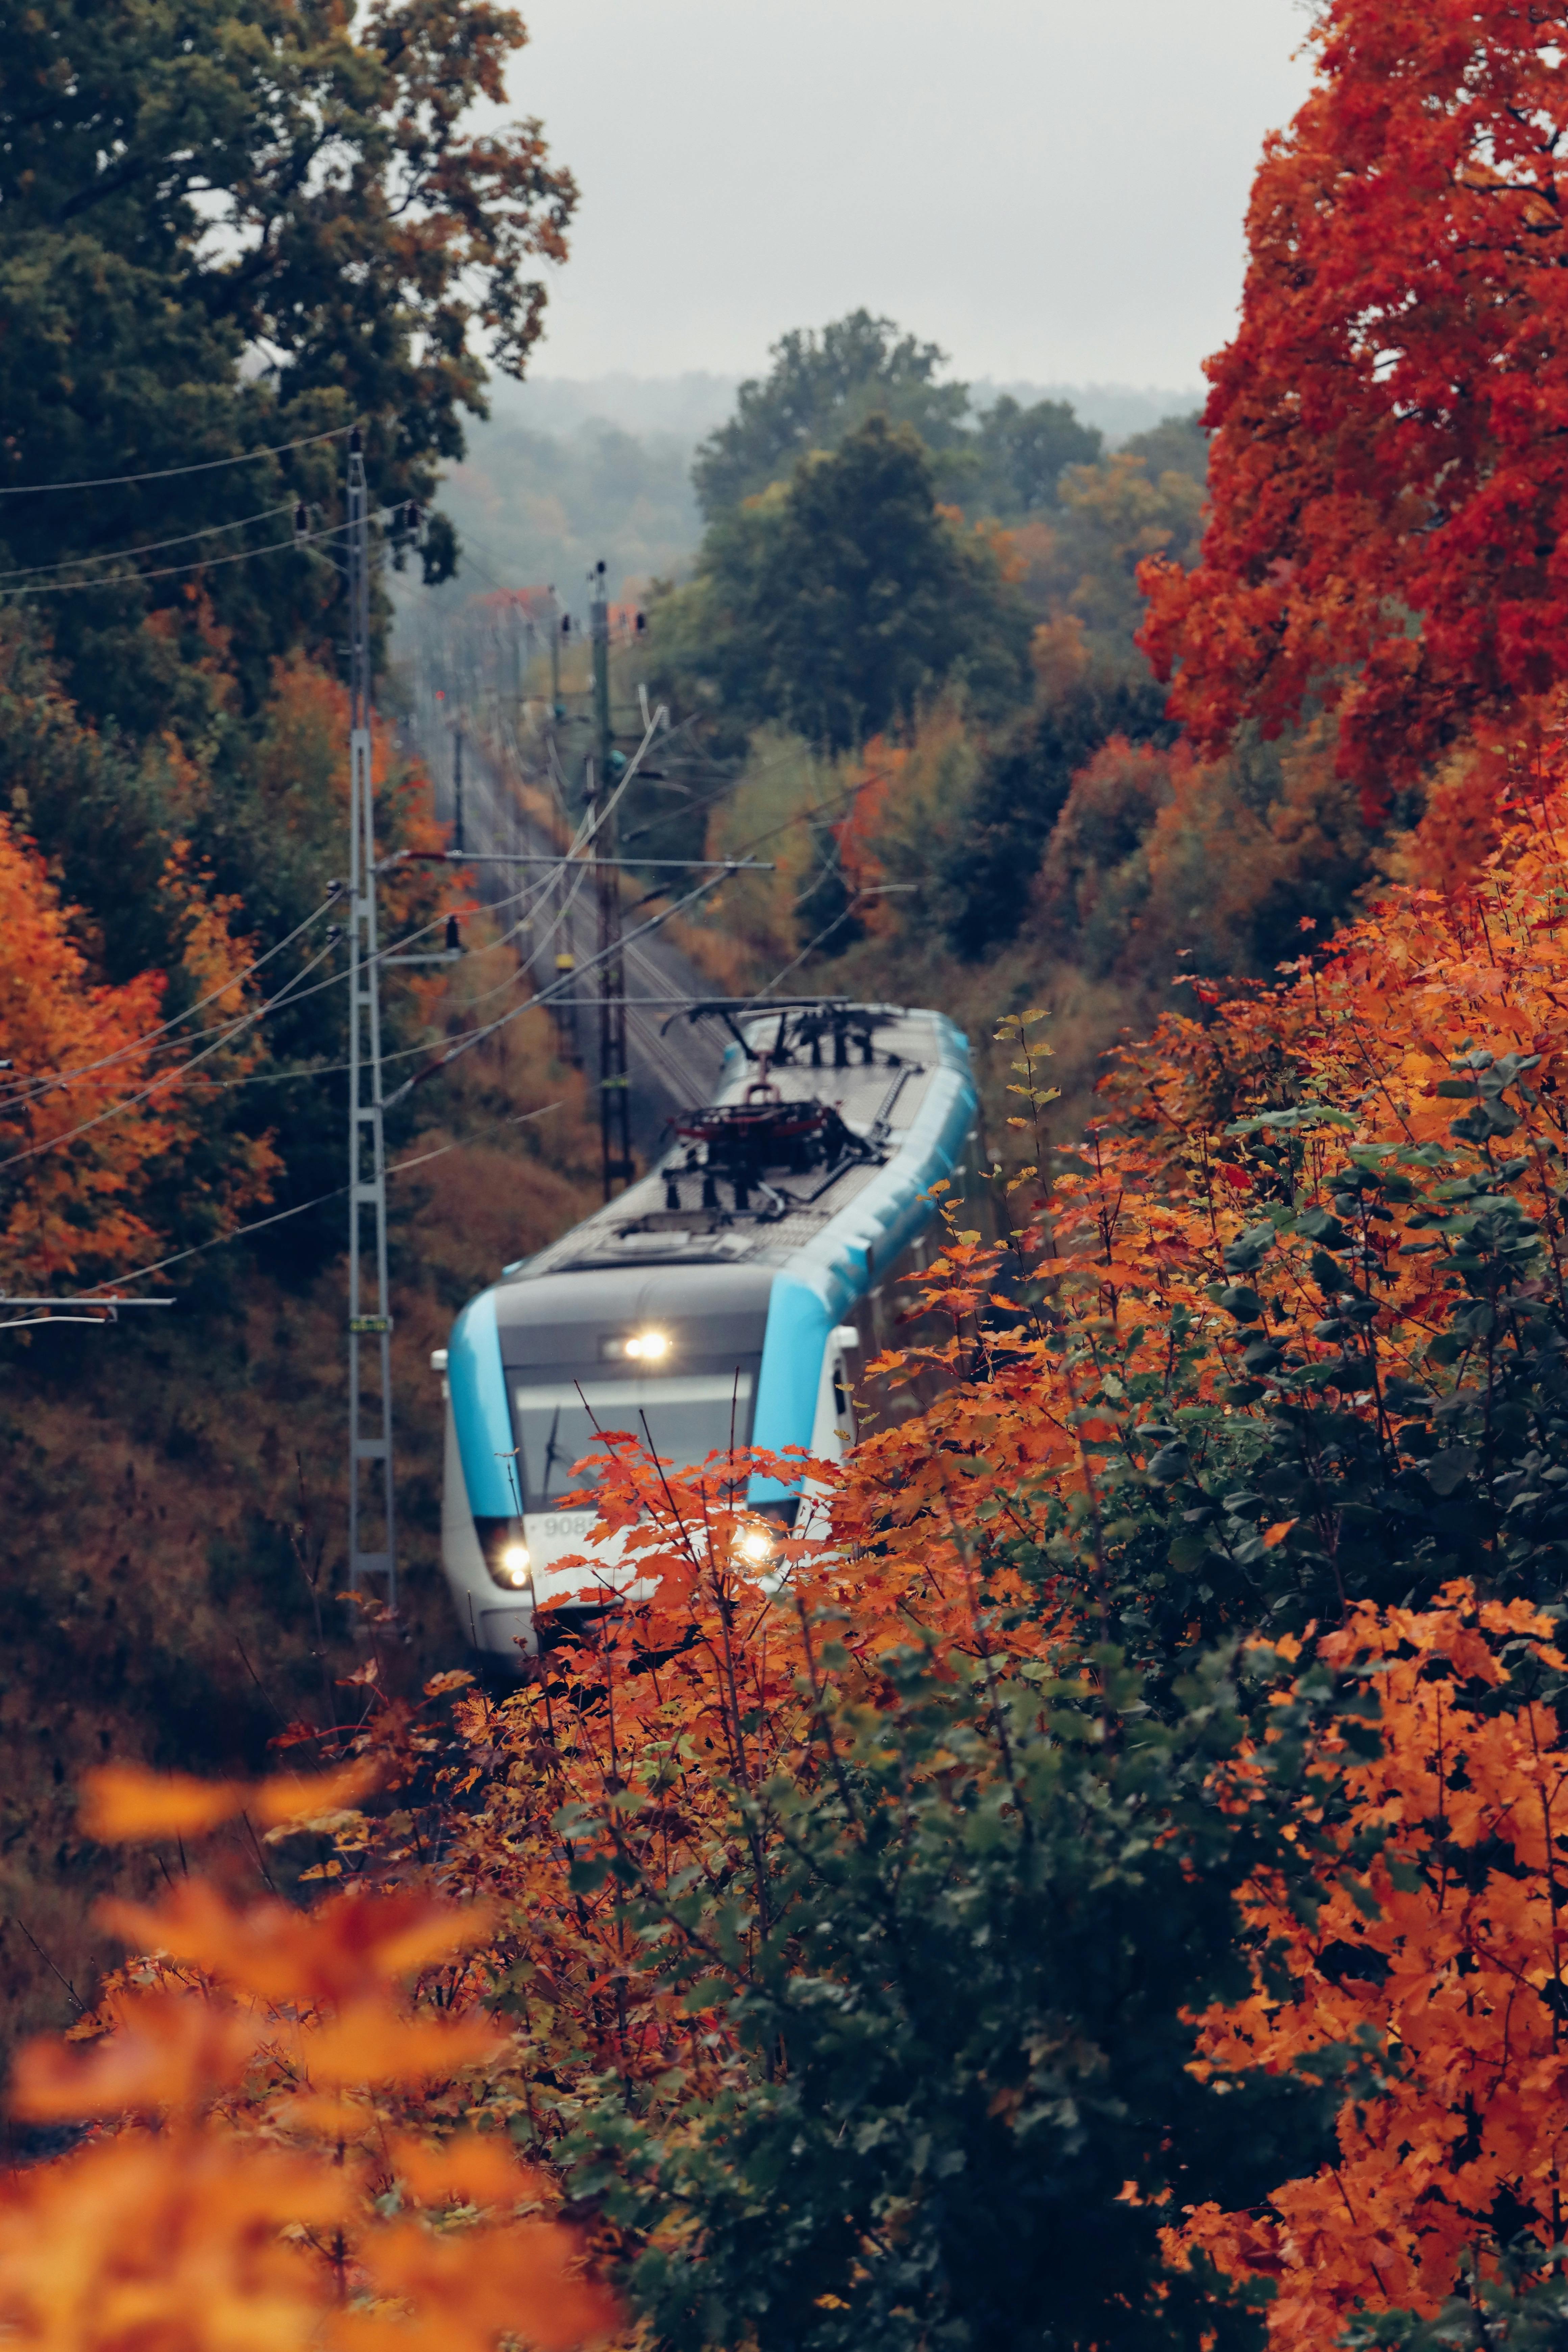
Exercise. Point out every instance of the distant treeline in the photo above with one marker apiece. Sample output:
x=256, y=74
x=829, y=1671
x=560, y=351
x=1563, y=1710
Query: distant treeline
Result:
x=565, y=470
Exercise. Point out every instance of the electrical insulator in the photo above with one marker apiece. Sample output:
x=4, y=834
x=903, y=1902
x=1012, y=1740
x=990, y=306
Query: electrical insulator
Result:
x=454, y=943
x=642, y=623
x=302, y=520
x=412, y=518
x=565, y=625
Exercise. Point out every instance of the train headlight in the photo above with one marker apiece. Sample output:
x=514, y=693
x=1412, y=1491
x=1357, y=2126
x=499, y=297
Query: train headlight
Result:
x=756, y=1546
x=511, y=1565
x=648, y=1346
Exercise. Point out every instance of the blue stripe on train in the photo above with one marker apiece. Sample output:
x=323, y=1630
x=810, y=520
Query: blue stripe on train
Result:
x=479, y=1414
x=793, y=1345
x=839, y=1268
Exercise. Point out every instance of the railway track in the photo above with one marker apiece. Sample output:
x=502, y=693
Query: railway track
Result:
x=667, y=1073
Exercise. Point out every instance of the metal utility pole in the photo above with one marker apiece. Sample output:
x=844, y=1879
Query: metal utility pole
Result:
x=370, y=1317
x=565, y=960
x=615, y=1104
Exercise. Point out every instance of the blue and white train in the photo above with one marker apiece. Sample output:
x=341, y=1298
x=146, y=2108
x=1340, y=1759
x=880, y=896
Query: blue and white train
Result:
x=721, y=1300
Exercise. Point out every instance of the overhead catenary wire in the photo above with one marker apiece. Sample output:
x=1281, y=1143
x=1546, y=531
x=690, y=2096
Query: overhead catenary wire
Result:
x=292, y=994
x=225, y=1030
x=520, y=972
x=24, y=1090
x=403, y=1052
x=826, y=932
x=463, y=1044
x=176, y=571
x=589, y=827
x=573, y=857
x=173, y=570
x=302, y=1208
x=165, y=1078
x=149, y=547
x=169, y=473
x=832, y=804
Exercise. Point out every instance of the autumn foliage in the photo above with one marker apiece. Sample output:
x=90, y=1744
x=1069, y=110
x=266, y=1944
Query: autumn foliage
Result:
x=1096, y=1879
x=94, y=1105
x=1276, y=1350
x=269, y=2155
x=1433, y=1960
x=1387, y=473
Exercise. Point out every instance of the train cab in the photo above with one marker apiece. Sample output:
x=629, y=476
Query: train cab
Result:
x=721, y=1302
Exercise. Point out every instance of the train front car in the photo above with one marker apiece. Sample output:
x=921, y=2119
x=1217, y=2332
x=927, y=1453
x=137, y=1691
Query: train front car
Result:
x=722, y=1300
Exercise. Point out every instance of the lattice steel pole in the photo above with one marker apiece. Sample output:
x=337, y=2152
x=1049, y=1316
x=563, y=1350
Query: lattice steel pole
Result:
x=370, y=1316
x=614, y=1102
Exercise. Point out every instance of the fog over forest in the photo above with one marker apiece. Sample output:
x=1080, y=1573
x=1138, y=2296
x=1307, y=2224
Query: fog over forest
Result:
x=567, y=469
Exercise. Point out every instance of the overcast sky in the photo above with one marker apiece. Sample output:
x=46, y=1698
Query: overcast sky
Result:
x=1050, y=189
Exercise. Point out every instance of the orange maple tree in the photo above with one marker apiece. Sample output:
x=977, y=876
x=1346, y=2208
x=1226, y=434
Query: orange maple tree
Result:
x=1388, y=473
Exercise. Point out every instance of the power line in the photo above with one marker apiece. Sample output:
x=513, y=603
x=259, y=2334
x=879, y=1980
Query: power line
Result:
x=173, y=570
x=165, y=1078
x=150, y=547
x=224, y=1031
x=301, y=1208
x=25, y=1089
x=461, y=1044
x=168, y=473
x=23, y=1322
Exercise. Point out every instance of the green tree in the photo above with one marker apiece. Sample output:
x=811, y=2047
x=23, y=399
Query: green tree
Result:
x=822, y=387
x=1022, y=789
x=967, y=2097
x=1081, y=559
x=1177, y=444
x=227, y=224
x=1022, y=454
x=834, y=606
x=820, y=390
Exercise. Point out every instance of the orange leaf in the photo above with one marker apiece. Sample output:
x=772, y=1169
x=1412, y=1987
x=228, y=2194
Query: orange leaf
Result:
x=352, y=1945
x=168, y=2050
x=121, y=1802
x=292, y=1797
x=372, y=2044
x=472, y=2169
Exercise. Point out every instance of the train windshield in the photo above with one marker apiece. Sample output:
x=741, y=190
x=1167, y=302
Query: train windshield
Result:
x=685, y=1417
